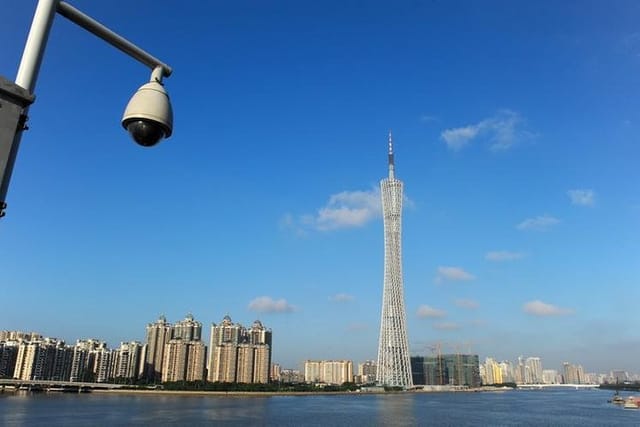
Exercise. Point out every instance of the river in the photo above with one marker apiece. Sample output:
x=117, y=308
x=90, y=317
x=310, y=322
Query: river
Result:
x=509, y=408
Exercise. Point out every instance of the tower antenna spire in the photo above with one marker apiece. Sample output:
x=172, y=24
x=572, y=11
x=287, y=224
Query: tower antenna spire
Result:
x=391, y=164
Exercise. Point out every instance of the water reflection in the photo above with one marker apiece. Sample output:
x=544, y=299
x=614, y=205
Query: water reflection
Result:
x=396, y=409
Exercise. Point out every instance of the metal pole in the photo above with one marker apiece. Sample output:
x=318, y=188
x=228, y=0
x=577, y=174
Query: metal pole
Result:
x=14, y=104
x=36, y=42
x=93, y=26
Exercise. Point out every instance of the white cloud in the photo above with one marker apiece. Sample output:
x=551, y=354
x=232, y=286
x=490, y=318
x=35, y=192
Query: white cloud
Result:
x=347, y=209
x=427, y=311
x=459, y=137
x=503, y=130
x=266, y=304
x=499, y=256
x=582, y=197
x=453, y=274
x=539, y=223
x=341, y=298
x=446, y=326
x=467, y=303
x=539, y=308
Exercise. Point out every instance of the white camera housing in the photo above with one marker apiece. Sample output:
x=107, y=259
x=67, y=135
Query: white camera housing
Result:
x=148, y=117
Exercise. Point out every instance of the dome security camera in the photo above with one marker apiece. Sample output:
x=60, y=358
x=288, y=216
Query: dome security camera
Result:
x=148, y=116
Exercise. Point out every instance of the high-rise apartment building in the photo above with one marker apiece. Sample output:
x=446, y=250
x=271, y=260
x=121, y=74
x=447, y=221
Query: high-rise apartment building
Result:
x=367, y=372
x=158, y=335
x=492, y=372
x=8, y=356
x=41, y=359
x=196, y=361
x=223, y=350
x=184, y=353
x=550, y=376
x=238, y=354
x=534, y=370
x=394, y=367
x=90, y=360
x=259, y=339
x=187, y=329
x=101, y=368
x=126, y=360
x=573, y=374
x=334, y=372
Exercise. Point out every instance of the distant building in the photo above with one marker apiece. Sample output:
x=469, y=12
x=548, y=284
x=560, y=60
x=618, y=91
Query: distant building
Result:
x=550, y=376
x=184, y=354
x=90, y=361
x=42, y=359
x=187, y=329
x=491, y=372
x=573, y=374
x=619, y=376
x=19, y=336
x=291, y=376
x=158, y=335
x=367, y=372
x=126, y=360
x=8, y=356
x=238, y=354
x=275, y=372
x=184, y=361
x=534, y=370
x=334, y=372
x=446, y=369
x=223, y=348
x=506, y=367
x=101, y=368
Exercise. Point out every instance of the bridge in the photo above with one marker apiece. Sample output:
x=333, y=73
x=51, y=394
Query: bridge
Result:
x=556, y=386
x=57, y=385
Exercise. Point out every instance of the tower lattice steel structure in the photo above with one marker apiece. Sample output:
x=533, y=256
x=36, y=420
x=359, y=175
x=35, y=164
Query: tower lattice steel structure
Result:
x=394, y=367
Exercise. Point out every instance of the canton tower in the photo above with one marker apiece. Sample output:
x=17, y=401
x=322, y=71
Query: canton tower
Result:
x=394, y=367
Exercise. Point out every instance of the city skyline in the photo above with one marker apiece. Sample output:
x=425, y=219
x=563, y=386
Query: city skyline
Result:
x=30, y=355
x=517, y=127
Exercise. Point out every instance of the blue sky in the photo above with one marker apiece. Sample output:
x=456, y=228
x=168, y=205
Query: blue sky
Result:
x=515, y=126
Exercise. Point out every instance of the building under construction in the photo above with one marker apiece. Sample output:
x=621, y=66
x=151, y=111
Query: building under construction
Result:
x=446, y=369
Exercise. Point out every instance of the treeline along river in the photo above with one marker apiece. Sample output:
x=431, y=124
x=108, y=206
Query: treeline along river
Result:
x=508, y=408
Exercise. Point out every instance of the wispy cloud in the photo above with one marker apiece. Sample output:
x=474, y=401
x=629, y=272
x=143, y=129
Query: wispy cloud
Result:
x=341, y=298
x=446, y=326
x=347, y=209
x=426, y=118
x=425, y=311
x=467, y=303
x=499, y=256
x=356, y=327
x=630, y=44
x=539, y=223
x=542, y=309
x=453, y=274
x=503, y=130
x=582, y=197
x=266, y=304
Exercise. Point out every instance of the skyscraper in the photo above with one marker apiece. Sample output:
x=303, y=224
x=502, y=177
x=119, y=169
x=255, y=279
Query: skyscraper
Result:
x=238, y=354
x=158, y=335
x=184, y=353
x=394, y=367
